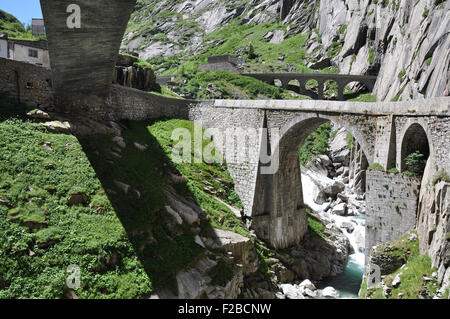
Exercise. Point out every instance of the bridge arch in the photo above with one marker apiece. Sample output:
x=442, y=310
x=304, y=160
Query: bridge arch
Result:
x=414, y=138
x=333, y=85
x=368, y=84
x=304, y=121
x=279, y=212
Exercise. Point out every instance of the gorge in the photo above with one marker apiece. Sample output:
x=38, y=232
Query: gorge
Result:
x=312, y=194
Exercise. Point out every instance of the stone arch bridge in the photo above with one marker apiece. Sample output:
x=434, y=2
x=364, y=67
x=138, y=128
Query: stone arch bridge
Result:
x=274, y=200
x=302, y=78
x=83, y=56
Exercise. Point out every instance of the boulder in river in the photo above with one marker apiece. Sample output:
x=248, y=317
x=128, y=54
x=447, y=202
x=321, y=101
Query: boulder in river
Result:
x=340, y=209
x=338, y=149
x=348, y=227
x=321, y=186
x=330, y=292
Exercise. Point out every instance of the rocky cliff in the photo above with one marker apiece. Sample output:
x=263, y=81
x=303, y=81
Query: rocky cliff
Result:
x=405, y=42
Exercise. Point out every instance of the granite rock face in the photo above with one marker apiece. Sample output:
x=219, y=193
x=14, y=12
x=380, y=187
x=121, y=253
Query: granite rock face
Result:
x=433, y=225
x=406, y=43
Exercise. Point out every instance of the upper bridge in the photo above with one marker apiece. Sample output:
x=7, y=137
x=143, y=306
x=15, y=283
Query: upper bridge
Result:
x=342, y=81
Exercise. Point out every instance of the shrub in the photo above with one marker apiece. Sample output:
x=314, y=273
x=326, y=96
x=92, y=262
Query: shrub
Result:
x=401, y=75
x=315, y=144
x=442, y=176
x=376, y=167
x=416, y=162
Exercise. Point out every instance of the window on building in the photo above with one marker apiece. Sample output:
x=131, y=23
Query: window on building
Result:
x=32, y=53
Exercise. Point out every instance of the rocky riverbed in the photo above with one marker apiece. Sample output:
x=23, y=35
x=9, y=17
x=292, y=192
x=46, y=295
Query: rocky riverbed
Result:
x=335, y=197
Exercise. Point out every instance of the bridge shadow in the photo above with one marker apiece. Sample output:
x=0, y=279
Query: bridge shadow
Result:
x=134, y=174
x=10, y=108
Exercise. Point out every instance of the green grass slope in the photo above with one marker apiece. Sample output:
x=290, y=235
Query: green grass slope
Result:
x=121, y=242
x=417, y=267
x=15, y=30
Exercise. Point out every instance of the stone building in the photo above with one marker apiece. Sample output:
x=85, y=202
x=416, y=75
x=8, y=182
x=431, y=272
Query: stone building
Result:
x=3, y=46
x=38, y=27
x=223, y=62
x=34, y=52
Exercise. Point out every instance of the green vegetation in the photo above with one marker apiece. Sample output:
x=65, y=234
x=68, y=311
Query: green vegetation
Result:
x=364, y=98
x=166, y=92
x=121, y=243
x=417, y=267
x=206, y=85
x=221, y=273
x=15, y=30
x=250, y=40
x=315, y=225
x=399, y=94
x=376, y=167
x=214, y=178
x=371, y=56
x=315, y=144
x=401, y=75
x=42, y=235
x=442, y=176
x=416, y=162
x=335, y=48
x=349, y=139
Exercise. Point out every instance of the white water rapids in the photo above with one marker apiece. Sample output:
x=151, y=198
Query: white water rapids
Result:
x=348, y=283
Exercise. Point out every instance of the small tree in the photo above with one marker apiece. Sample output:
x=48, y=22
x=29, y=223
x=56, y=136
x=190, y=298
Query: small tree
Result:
x=416, y=162
x=251, y=52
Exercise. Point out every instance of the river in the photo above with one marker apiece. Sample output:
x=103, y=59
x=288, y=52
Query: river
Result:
x=348, y=283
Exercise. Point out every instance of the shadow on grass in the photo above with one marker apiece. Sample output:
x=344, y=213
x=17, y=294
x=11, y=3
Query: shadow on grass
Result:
x=134, y=181
x=11, y=109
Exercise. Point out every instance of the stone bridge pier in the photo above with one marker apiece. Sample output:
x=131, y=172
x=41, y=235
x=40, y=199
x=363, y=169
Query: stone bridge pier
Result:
x=84, y=38
x=271, y=191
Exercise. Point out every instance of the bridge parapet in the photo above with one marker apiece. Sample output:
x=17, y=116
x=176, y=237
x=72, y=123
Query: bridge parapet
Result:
x=439, y=106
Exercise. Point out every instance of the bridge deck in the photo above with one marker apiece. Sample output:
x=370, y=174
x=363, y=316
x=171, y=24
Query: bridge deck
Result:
x=435, y=106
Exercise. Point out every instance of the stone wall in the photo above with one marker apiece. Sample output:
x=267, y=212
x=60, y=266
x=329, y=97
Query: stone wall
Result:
x=211, y=67
x=3, y=48
x=26, y=83
x=131, y=104
x=128, y=74
x=391, y=207
x=385, y=143
x=19, y=51
x=223, y=62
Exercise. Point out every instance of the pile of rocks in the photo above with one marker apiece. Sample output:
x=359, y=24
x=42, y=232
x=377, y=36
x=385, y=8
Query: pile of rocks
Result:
x=328, y=178
x=306, y=290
